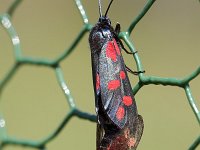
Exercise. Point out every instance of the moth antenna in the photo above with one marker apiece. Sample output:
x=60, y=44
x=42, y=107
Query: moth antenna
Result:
x=108, y=8
x=100, y=11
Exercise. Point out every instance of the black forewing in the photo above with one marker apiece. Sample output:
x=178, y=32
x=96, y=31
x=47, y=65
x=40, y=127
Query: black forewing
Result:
x=112, y=99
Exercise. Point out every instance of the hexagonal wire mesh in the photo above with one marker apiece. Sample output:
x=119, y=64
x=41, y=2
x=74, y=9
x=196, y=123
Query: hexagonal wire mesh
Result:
x=54, y=64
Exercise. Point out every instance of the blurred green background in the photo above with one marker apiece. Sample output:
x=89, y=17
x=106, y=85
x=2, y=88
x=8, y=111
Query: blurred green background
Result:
x=168, y=42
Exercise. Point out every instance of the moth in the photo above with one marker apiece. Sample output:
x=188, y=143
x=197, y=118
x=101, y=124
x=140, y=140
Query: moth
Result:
x=119, y=126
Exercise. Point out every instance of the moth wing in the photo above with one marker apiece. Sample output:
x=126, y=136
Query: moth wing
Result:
x=114, y=84
x=138, y=128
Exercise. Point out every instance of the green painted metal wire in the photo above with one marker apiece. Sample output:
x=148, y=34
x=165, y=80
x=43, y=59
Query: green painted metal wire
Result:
x=54, y=64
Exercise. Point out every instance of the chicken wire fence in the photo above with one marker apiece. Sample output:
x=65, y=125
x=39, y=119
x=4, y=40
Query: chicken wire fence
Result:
x=54, y=64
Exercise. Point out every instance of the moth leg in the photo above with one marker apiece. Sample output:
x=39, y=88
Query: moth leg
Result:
x=117, y=28
x=134, y=72
x=122, y=45
x=117, y=31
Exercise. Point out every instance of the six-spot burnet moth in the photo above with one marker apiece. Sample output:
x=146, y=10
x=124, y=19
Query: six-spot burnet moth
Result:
x=119, y=126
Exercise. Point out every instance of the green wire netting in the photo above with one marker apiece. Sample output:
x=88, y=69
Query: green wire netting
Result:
x=54, y=64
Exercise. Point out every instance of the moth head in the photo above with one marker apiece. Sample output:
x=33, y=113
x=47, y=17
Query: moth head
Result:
x=104, y=21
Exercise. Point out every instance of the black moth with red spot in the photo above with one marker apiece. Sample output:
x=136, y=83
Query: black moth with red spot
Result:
x=114, y=100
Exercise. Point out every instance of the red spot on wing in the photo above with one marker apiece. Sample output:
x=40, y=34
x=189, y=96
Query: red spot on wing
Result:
x=122, y=141
x=97, y=81
x=118, y=143
x=122, y=75
x=110, y=51
x=131, y=142
x=113, y=84
x=120, y=113
x=127, y=100
x=127, y=133
x=108, y=148
x=116, y=47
